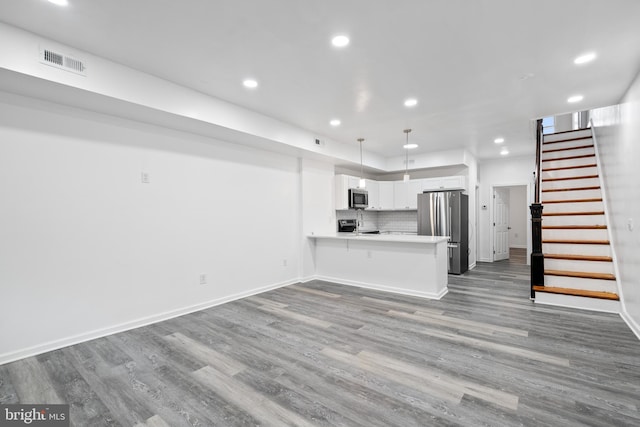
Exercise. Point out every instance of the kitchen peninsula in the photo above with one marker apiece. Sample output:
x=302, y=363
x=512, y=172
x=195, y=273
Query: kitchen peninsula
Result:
x=405, y=264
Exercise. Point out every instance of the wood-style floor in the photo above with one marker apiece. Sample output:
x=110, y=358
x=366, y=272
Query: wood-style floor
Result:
x=322, y=354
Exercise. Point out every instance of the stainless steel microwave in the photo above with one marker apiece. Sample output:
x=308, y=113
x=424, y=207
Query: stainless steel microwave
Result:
x=358, y=198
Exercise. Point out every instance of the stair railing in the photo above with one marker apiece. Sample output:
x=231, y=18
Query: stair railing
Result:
x=537, y=257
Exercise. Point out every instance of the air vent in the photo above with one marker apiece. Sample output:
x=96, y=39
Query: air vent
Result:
x=62, y=61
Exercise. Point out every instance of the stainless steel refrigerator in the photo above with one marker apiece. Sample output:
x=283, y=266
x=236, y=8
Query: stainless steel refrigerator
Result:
x=446, y=213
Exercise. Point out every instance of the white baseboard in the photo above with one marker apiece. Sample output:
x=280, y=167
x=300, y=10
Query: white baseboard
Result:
x=409, y=292
x=633, y=325
x=584, y=303
x=99, y=333
x=518, y=246
x=485, y=260
x=472, y=266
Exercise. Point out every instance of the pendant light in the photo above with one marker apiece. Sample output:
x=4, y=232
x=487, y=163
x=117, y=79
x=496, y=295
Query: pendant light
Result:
x=362, y=183
x=406, y=170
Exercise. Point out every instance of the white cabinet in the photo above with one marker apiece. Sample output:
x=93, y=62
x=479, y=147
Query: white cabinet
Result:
x=400, y=195
x=406, y=193
x=394, y=195
x=342, y=185
x=445, y=183
x=373, y=188
x=385, y=195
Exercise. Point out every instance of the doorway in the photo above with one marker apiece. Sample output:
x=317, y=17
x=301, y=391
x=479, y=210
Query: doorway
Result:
x=511, y=223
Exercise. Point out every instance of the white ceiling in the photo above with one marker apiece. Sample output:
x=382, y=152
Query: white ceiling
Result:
x=479, y=68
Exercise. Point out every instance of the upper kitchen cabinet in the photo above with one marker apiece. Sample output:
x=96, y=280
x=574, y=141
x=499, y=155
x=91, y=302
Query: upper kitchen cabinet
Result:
x=405, y=193
x=394, y=195
x=373, y=188
x=342, y=185
x=458, y=182
x=385, y=195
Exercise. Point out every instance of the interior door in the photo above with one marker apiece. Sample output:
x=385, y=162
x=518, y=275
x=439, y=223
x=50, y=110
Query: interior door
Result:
x=501, y=224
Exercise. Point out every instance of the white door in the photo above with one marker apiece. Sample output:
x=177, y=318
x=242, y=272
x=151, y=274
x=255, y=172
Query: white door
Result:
x=501, y=223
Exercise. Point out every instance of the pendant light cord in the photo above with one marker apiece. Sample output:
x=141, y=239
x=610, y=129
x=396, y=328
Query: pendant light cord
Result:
x=361, y=167
x=406, y=164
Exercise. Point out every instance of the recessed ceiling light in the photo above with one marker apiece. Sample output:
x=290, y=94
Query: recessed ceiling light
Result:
x=250, y=83
x=335, y=122
x=340, y=41
x=504, y=152
x=583, y=59
x=410, y=146
x=575, y=98
x=411, y=102
x=498, y=140
x=59, y=2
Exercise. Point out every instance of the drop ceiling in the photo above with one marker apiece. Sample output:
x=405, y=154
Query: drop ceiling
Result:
x=479, y=69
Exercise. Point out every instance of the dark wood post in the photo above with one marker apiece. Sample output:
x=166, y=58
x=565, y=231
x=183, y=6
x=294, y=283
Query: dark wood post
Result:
x=537, y=257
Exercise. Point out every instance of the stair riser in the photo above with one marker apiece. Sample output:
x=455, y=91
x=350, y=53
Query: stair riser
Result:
x=571, y=195
x=578, y=302
x=580, y=283
x=576, y=249
x=567, y=144
x=570, y=183
x=573, y=207
x=573, y=220
x=550, y=164
x=575, y=234
x=567, y=135
x=566, y=173
x=567, y=153
x=581, y=266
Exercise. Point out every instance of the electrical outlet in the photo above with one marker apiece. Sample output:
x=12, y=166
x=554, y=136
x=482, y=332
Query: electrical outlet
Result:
x=284, y=262
x=369, y=255
x=203, y=279
x=145, y=178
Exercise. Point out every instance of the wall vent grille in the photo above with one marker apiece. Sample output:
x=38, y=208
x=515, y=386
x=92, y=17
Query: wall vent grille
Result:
x=62, y=61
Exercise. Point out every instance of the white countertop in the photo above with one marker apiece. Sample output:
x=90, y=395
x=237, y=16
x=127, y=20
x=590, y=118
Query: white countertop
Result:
x=407, y=238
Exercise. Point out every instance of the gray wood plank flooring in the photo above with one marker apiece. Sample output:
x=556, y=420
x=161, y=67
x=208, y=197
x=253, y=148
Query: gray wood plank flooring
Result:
x=322, y=354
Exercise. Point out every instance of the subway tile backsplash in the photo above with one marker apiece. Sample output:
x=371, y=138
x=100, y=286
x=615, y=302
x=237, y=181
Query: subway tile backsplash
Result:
x=402, y=221
x=369, y=218
x=398, y=221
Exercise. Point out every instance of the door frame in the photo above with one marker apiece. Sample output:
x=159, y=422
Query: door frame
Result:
x=491, y=213
x=498, y=255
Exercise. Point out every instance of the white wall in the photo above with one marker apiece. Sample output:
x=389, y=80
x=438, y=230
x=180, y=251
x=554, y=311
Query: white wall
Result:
x=87, y=249
x=619, y=148
x=518, y=217
x=494, y=173
x=318, y=208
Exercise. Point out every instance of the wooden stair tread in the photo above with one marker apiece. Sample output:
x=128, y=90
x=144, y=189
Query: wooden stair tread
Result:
x=579, y=257
x=580, y=147
x=568, y=131
x=569, y=177
x=593, y=165
x=576, y=242
x=577, y=292
x=573, y=201
x=550, y=190
x=572, y=213
x=580, y=274
x=566, y=140
x=555, y=159
x=574, y=227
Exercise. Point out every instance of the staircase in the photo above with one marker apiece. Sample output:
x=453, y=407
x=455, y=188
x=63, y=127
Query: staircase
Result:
x=578, y=264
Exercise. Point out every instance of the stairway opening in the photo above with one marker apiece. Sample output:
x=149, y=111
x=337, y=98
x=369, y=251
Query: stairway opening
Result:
x=578, y=263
